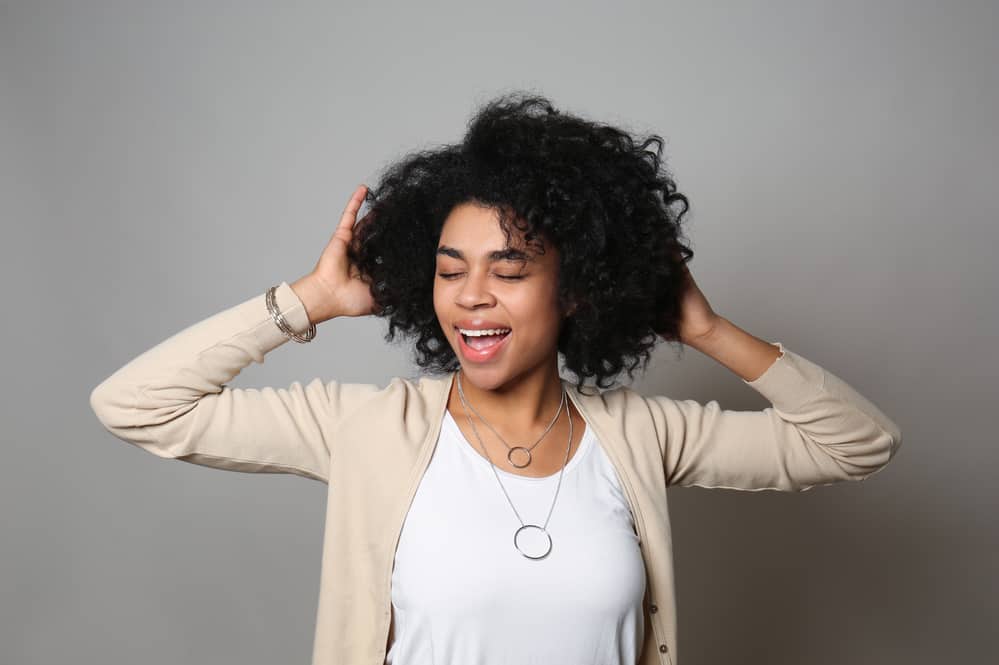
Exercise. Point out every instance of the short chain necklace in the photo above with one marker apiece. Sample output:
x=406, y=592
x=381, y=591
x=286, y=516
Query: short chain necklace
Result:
x=514, y=449
x=531, y=540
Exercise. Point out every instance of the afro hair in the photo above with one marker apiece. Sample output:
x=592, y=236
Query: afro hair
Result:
x=599, y=195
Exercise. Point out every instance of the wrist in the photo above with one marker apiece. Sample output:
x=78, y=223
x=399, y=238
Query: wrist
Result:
x=315, y=298
x=737, y=349
x=709, y=334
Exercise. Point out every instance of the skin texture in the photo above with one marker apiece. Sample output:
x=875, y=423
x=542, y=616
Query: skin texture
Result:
x=698, y=319
x=519, y=391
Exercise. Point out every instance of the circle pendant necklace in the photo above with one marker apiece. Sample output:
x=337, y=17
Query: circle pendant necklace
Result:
x=532, y=540
x=523, y=454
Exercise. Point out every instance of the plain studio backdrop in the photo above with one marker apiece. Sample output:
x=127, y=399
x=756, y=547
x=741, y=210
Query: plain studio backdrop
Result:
x=162, y=161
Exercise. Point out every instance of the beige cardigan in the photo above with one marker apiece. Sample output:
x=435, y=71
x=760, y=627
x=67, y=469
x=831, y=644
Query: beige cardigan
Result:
x=371, y=446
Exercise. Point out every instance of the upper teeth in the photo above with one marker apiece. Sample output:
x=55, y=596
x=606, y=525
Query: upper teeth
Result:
x=479, y=333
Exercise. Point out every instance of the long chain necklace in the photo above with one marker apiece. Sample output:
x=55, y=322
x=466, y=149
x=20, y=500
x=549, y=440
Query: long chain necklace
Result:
x=514, y=449
x=531, y=540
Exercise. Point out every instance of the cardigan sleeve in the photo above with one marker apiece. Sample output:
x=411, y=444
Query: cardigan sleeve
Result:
x=172, y=400
x=817, y=431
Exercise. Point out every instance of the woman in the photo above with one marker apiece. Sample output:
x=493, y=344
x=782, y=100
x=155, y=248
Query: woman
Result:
x=491, y=511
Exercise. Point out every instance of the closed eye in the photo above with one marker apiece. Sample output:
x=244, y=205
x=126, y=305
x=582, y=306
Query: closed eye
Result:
x=452, y=275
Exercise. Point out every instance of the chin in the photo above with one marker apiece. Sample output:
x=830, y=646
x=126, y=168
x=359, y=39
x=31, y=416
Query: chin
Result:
x=484, y=378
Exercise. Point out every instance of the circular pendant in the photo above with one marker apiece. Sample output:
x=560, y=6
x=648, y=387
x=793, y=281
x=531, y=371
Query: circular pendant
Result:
x=532, y=541
x=522, y=453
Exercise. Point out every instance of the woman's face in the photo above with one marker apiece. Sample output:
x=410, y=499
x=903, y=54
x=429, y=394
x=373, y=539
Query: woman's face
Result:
x=481, y=283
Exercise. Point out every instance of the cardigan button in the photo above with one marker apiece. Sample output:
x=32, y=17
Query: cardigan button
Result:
x=662, y=648
x=653, y=608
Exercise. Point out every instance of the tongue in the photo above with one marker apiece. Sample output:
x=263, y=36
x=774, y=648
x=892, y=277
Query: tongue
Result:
x=485, y=341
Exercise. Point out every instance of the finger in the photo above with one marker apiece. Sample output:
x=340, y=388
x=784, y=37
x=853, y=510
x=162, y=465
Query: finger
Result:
x=345, y=229
x=353, y=205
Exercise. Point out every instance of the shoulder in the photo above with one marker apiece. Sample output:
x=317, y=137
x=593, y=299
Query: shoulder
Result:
x=617, y=402
x=402, y=395
x=627, y=419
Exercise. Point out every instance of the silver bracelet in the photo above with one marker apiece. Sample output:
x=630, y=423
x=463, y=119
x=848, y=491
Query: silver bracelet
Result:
x=283, y=324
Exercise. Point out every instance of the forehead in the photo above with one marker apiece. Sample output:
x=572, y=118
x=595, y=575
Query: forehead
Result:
x=472, y=232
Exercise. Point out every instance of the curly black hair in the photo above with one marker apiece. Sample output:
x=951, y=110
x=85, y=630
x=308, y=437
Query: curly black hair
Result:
x=599, y=195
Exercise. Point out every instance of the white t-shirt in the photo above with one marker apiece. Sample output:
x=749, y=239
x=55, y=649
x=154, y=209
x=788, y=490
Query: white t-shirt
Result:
x=462, y=594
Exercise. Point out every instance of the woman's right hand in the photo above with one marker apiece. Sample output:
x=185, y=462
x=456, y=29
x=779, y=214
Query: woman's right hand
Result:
x=334, y=287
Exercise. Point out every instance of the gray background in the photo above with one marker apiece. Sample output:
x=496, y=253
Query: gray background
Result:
x=163, y=161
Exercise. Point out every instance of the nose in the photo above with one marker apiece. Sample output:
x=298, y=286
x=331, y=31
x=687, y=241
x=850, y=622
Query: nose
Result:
x=474, y=291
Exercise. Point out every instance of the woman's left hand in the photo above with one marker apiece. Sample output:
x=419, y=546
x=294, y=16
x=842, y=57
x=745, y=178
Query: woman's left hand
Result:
x=698, y=319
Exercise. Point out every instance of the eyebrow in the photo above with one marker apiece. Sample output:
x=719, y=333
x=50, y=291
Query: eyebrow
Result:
x=507, y=254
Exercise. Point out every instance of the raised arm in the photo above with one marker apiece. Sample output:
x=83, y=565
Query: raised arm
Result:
x=172, y=400
x=817, y=431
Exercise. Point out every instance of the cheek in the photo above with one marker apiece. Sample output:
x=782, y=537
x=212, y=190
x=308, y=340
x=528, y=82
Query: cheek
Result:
x=539, y=311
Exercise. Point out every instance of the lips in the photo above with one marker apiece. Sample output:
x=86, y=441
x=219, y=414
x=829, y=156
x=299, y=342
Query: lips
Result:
x=485, y=354
x=481, y=342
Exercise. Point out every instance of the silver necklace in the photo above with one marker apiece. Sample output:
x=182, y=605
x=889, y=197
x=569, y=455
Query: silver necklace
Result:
x=511, y=450
x=531, y=540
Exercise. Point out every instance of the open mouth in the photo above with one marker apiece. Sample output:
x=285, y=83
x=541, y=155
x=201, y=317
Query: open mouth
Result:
x=482, y=342
x=483, y=347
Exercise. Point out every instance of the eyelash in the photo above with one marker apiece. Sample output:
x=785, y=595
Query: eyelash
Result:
x=512, y=278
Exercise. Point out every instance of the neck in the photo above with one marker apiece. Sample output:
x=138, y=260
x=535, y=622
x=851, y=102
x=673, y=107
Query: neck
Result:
x=524, y=403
